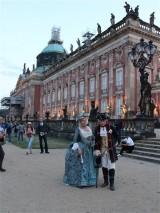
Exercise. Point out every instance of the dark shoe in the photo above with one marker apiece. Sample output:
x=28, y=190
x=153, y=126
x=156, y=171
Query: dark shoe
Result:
x=47, y=152
x=112, y=188
x=2, y=170
x=26, y=153
x=104, y=184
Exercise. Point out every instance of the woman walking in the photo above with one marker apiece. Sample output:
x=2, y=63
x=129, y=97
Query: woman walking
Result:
x=29, y=132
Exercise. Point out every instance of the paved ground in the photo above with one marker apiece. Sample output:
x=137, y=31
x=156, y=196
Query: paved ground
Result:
x=33, y=184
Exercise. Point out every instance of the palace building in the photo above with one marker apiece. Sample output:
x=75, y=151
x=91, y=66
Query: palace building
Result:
x=98, y=71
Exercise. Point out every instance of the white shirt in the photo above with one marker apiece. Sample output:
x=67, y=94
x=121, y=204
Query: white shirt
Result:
x=129, y=141
x=103, y=131
x=85, y=133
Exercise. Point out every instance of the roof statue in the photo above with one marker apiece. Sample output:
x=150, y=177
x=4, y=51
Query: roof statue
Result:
x=71, y=48
x=112, y=20
x=98, y=29
x=152, y=19
x=136, y=10
x=127, y=7
x=79, y=44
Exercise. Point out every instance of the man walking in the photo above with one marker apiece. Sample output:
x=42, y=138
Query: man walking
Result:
x=42, y=131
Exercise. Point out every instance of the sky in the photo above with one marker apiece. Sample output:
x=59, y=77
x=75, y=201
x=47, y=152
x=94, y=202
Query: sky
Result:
x=25, y=28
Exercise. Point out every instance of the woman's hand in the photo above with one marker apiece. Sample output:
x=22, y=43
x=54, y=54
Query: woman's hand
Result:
x=79, y=151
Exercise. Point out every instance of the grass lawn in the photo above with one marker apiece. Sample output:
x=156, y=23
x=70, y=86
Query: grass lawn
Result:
x=53, y=143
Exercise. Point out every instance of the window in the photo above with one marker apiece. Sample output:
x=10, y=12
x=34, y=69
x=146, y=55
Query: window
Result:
x=82, y=88
x=103, y=106
x=53, y=97
x=119, y=79
x=118, y=106
x=44, y=101
x=65, y=93
x=73, y=91
x=80, y=107
x=92, y=81
x=59, y=95
x=104, y=81
x=48, y=98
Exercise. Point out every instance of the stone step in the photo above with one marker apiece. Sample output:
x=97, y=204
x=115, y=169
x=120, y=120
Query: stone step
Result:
x=151, y=154
x=147, y=145
x=142, y=157
x=147, y=142
x=147, y=149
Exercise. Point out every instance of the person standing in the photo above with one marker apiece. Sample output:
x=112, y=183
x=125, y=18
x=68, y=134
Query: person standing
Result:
x=105, y=141
x=9, y=131
x=29, y=132
x=127, y=145
x=42, y=131
x=15, y=127
x=2, y=142
x=79, y=160
x=118, y=127
x=21, y=130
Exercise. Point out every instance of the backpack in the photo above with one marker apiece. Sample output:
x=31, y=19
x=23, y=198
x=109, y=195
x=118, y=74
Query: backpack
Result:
x=122, y=126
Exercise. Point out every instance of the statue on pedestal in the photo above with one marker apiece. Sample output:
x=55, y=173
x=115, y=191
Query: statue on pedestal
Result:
x=112, y=20
x=152, y=19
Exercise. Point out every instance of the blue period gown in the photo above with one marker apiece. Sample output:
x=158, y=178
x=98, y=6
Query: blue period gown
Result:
x=80, y=171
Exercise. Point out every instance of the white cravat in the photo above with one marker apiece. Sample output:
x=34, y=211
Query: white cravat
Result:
x=103, y=131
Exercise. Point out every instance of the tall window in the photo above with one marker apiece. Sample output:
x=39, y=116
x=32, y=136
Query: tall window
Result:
x=92, y=82
x=118, y=106
x=80, y=107
x=119, y=79
x=82, y=88
x=103, y=106
x=65, y=93
x=48, y=98
x=44, y=99
x=104, y=81
x=59, y=95
x=53, y=97
x=73, y=91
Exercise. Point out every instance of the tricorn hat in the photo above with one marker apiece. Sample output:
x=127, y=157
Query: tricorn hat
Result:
x=102, y=116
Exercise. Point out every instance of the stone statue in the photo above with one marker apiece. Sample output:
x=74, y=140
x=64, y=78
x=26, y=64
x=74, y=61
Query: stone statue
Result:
x=127, y=7
x=71, y=48
x=152, y=107
x=145, y=99
x=93, y=111
x=79, y=43
x=112, y=20
x=136, y=10
x=98, y=29
x=152, y=19
x=65, y=112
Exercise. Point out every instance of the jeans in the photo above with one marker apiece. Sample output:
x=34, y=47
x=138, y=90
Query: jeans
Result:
x=9, y=137
x=20, y=135
x=29, y=141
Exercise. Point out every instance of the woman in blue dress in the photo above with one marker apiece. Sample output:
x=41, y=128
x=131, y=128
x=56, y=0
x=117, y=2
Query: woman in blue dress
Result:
x=79, y=160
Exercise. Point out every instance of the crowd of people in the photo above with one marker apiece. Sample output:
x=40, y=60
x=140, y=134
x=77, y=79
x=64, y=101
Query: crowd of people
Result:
x=22, y=131
x=89, y=150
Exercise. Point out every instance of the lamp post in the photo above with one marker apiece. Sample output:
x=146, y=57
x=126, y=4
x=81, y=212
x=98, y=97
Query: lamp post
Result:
x=141, y=55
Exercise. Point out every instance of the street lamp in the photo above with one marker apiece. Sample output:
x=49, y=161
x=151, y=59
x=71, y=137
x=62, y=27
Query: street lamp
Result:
x=141, y=55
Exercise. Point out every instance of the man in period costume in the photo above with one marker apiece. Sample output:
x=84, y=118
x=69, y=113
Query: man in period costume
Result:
x=106, y=140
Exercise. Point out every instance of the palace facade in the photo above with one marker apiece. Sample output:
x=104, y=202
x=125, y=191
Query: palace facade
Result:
x=99, y=70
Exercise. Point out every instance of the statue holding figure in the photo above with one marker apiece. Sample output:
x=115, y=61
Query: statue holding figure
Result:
x=152, y=19
x=71, y=48
x=145, y=99
x=112, y=20
x=98, y=29
x=127, y=7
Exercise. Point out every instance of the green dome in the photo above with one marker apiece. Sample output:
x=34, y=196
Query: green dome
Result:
x=53, y=48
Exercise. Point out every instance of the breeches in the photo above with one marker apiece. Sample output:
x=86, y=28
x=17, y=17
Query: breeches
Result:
x=106, y=162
